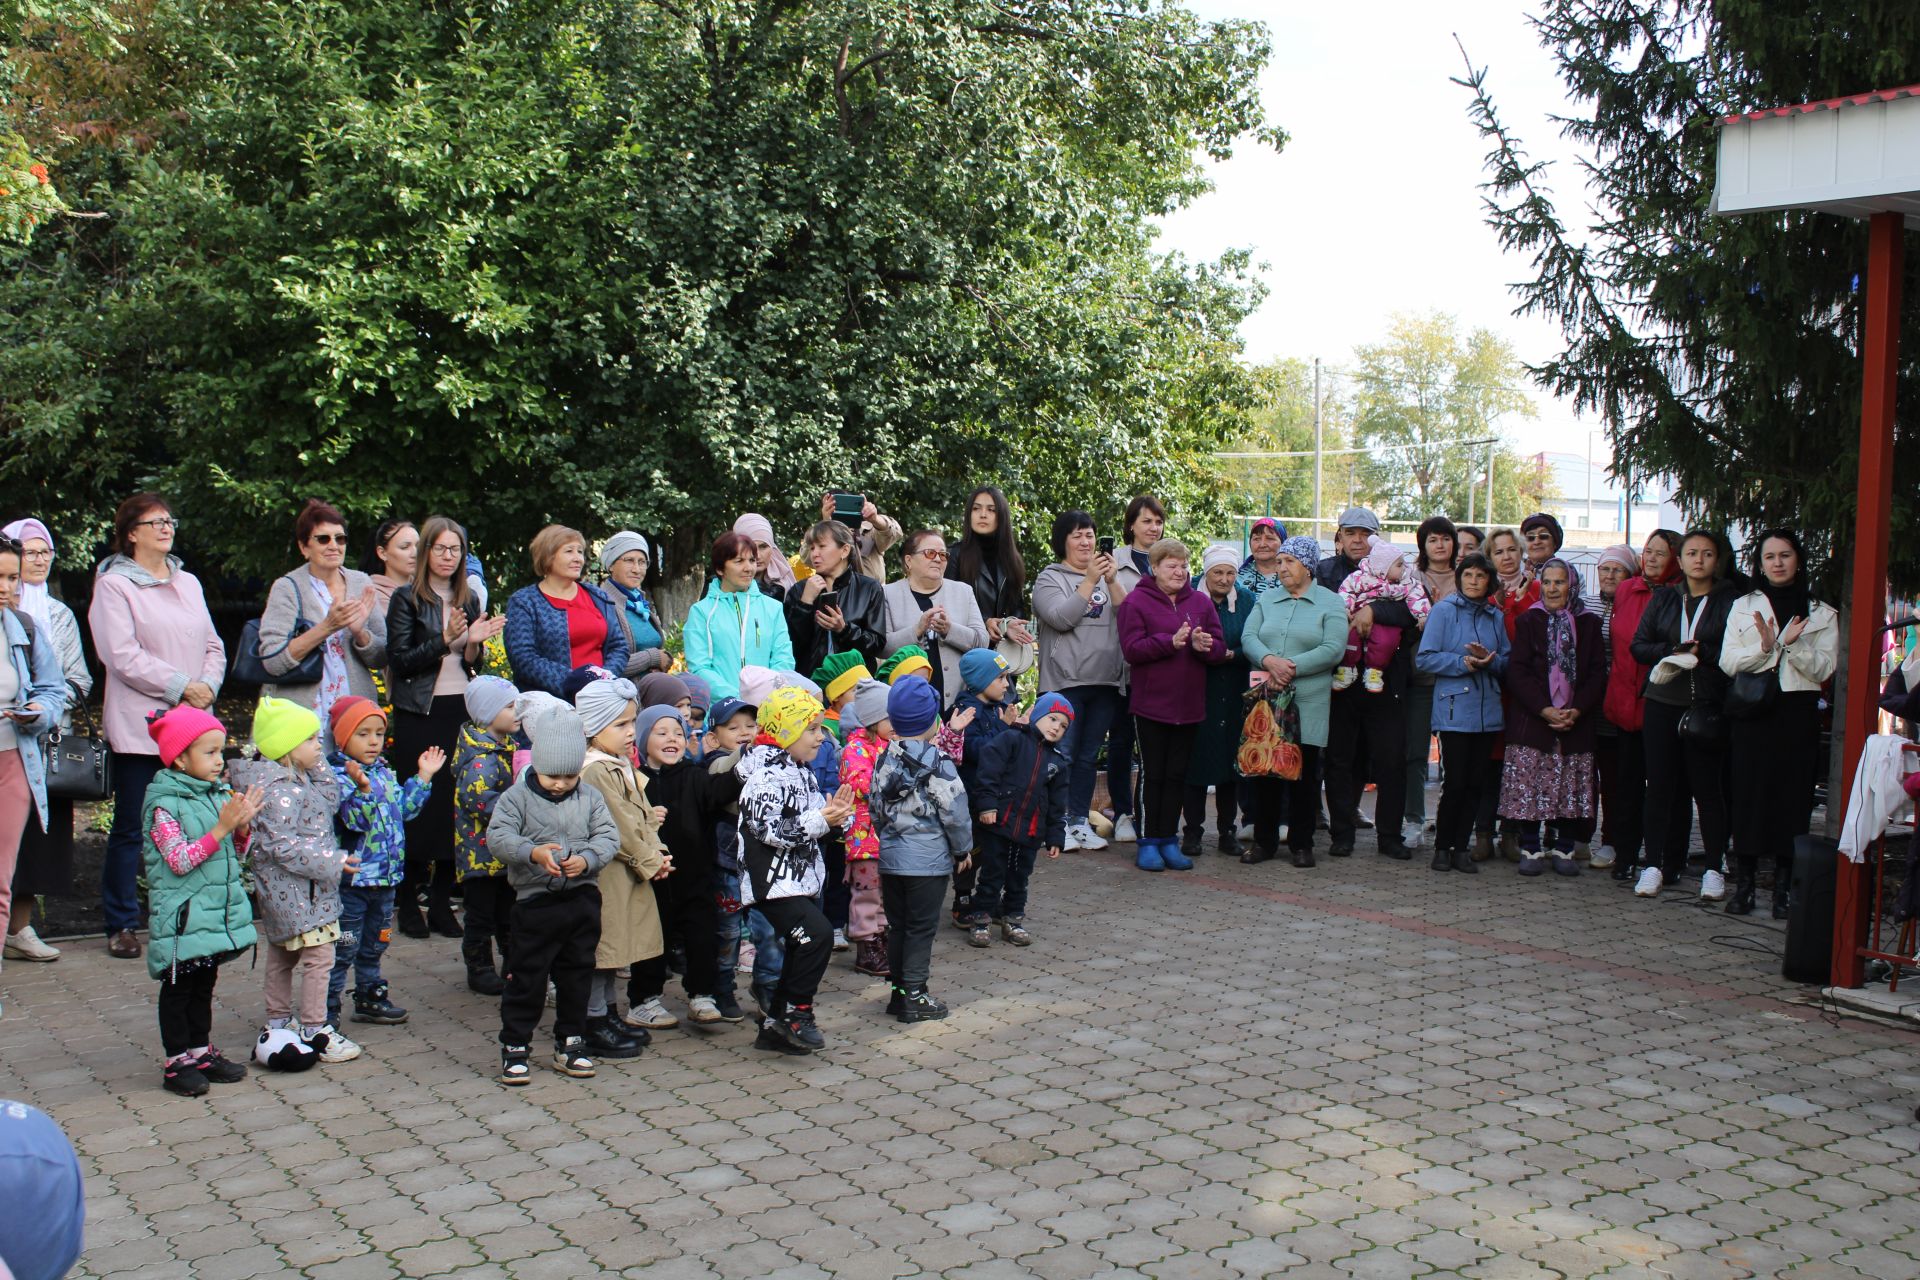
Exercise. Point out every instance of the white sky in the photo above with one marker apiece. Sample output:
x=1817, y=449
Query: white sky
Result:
x=1374, y=205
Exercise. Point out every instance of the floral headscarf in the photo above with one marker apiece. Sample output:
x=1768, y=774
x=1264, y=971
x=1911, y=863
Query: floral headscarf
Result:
x=1562, y=649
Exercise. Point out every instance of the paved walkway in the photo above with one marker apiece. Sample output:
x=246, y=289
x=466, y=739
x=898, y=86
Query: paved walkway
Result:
x=1367, y=1069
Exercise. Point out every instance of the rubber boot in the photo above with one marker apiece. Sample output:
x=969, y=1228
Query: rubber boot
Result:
x=1170, y=855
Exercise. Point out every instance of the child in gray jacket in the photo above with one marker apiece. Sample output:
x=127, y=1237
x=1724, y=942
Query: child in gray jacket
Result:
x=920, y=814
x=553, y=835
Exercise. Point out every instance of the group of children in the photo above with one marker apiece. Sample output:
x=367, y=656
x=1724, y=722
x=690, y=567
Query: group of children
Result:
x=591, y=832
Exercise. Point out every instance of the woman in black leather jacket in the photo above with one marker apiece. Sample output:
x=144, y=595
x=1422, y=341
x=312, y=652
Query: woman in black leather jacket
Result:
x=858, y=621
x=434, y=637
x=1679, y=638
x=987, y=558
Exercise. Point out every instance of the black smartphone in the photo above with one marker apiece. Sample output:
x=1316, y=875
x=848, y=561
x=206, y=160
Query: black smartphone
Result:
x=1105, y=545
x=826, y=600
x=847, y=508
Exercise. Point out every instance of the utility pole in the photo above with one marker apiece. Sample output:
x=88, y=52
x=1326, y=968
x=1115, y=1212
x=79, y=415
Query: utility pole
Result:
x=1319, y=445
x=1489, y=484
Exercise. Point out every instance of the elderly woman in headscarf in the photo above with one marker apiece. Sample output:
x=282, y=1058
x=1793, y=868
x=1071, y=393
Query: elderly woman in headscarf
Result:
x=1556, y=679
x=1293, y=637
x=775, y=576
x=1211, y=764
x=45, y=866
x=1259, y=573
x=624, y=559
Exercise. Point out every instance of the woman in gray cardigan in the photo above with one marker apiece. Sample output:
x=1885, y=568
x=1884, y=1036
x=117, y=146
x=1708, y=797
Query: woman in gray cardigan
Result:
x=337, y=605
x=928, y=609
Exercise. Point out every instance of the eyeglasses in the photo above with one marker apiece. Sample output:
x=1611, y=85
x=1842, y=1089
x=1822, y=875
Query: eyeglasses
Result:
x=932, y=554
x=442, y=549
x=329, y=539
x=158, y=522
x=45, y=553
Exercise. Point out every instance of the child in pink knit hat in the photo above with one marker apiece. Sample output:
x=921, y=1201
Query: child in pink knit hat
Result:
x=1383, y=576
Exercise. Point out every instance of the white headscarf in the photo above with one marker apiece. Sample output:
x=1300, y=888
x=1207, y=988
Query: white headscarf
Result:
x=34, y=600
x=1221, y=553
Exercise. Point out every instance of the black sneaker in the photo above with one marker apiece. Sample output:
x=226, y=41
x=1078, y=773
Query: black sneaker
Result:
x=570, y=1058
x=1341, y=851
x=485, y=982
x=896, y=1002
x=773, y=1042
x=1395, y=850
x=729, y=1006
x=372, y=1005
x=185, y=1079
x=796, y=1027
x=514, y=1067
x=919, y=1006
x=1227, y=843
x=217, y=1068
x=604, y=1040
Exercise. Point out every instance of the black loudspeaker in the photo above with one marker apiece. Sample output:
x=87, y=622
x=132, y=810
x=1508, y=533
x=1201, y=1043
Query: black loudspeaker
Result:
x=1809, y=952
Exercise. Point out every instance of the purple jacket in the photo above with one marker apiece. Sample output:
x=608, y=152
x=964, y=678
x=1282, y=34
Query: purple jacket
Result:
x=1169, y=684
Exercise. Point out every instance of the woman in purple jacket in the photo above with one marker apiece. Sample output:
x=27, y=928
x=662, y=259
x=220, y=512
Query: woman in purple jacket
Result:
x=1169, y=634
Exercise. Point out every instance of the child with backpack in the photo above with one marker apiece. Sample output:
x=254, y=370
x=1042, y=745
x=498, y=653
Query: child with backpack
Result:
x=1021, y=805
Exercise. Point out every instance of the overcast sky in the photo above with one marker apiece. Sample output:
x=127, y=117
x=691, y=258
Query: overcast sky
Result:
x=1374, y=205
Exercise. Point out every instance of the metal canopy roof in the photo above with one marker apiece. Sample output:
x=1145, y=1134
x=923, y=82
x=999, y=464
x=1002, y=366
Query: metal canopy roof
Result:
x=1853, y=156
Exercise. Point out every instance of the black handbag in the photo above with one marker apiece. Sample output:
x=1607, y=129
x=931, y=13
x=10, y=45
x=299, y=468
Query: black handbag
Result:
x=79, y=765
x=1752, y=694
x=1703, y=723
x=248, y=662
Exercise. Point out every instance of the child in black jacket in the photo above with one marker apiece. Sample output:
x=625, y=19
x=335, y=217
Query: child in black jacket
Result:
x=1020, y=803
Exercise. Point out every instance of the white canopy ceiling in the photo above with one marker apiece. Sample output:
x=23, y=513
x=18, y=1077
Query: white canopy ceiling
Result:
x=1853, y=156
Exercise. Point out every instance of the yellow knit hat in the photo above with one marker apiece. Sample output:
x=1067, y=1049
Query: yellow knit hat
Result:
x=785, y=714
x=279, y=726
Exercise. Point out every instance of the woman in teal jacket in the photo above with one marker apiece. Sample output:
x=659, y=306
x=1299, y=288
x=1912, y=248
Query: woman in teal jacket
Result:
x=1465, y=647
x=734, y=625
x=1296, y=634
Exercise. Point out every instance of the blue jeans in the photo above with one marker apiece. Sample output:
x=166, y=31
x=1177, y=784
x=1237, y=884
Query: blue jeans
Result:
x=769, y=949
x=732, y=929
x=120, y=876
x=1094, y=709
x=366, y=922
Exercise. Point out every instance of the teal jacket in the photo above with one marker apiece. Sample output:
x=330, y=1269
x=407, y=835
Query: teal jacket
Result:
x=1311, y=630
x=204, y=912
x=727, y=630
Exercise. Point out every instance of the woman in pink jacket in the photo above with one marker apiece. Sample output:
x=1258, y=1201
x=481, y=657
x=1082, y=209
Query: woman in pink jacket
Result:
x=157, y=643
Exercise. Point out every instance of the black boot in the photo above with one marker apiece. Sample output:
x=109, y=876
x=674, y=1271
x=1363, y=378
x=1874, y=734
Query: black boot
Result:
x=440, y=917
x=605, y=1040
x=1782, y=888
x=482, y=977
x=918, y=1005
x=1442, y=859
x=1740, y=901
x=406, y=914
x=1463, y=861
x=372, y=1005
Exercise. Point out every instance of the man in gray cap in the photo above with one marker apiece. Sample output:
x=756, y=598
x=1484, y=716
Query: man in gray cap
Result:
x=1367, y=732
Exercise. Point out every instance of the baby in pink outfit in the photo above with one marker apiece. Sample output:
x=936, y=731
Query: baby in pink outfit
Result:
x=1383, y=576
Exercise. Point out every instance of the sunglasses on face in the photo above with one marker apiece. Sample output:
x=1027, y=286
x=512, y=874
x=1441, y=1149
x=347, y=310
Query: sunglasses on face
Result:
x=329, y=539
x=934, y=555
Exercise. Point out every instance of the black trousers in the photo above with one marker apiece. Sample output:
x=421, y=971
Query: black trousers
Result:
x=1164, y=752
x=1468, y=774
x=1226, y=811
x=965, y=880
x=913, y=916
x=186, y=1011
x=1367, y=741
x=1776, y=760
x=688, y=916
x=554, y=936
x=1628, y=800
x=838, y=895
x=488, y=923
x=1295, y=803
x=1672, y=762
x=430, y=835
x=808, y=940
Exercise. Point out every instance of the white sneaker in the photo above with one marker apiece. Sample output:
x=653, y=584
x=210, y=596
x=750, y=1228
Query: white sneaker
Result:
x=339, y=1048
x=1245, y=833
x=1713, y=886
x=1072, y=842
x=702, y=1009
x=1087, y=839
x=1411, y=834
x=840, y=942
x=652, y=1015
x=1648, y=885
x=1123, y=832
x=26, y=945
x=1603, y=857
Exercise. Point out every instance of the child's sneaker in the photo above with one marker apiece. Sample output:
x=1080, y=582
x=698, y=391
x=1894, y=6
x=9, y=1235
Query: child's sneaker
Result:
x=514, y=1067
x=840, y=942
x=217, y=1068
x=373, y=1006
x=897, y=1001
x=1015, y=931
x=330, y=1044
x=796, y=1028
x=981, y=935
x=919, y=1006
x=729, y=1006
x=605, y=1038
x=183, y=1076
x=1343, y=677
x=1375, y=680
x=651, y=1015
x=704, y=1012
x=570, y=1058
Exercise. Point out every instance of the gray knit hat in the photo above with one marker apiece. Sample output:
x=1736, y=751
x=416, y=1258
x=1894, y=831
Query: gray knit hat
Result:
x=869, y=703
x=487, y=697
x=559, y=742
x=601, y=703
x=619, y=544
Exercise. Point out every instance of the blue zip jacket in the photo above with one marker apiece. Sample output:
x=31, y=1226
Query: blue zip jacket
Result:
x=1023, y=779
x=1464, y=701
x=727, y=630
x=379, y=816
x=986, y=726
x=537, y=644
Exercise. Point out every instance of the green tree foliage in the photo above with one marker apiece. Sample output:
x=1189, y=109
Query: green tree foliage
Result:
x=1721, y=351
x=1421, y=398
x=630, y=264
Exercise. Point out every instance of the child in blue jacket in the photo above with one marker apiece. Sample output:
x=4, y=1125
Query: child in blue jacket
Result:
x=1020, y=805
x=983, y=672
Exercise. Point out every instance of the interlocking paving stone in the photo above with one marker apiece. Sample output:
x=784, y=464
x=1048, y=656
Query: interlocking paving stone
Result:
x=1366, y=1069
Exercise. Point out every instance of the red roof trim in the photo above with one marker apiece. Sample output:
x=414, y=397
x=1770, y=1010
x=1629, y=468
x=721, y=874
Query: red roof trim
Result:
x=1829, y=104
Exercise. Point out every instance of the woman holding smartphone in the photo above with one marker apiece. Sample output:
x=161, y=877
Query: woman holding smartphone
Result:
x=1075, y=603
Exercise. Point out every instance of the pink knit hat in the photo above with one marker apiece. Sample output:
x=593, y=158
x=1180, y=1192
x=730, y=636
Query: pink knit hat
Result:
x=175, y=729
x=1383, y=555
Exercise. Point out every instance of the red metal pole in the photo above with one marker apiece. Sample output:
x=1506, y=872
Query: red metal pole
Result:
x=1880, y=356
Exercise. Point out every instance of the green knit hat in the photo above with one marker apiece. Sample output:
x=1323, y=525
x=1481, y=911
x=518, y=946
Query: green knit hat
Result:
x=841, y=672
x=907, y=660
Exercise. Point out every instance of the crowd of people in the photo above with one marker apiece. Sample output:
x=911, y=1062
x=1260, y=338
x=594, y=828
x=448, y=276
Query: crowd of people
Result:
x=838, y=754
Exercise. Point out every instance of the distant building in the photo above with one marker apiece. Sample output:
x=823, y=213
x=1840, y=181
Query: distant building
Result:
x=1593, y=509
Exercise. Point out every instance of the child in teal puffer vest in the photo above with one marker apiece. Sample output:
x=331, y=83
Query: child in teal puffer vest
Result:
x=197, y=828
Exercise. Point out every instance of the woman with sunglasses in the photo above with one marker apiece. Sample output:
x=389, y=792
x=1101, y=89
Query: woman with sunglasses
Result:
x=338, y=606
x=931, y=610
x=158, y=648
